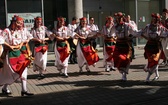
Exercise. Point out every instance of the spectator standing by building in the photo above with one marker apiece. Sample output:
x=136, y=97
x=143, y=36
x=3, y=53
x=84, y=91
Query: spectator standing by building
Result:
x=73, y=42
x=93, y=27
x=164, y=54
x=128, y=19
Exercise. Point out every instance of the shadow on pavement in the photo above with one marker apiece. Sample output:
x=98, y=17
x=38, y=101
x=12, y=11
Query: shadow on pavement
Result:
x=95, y=96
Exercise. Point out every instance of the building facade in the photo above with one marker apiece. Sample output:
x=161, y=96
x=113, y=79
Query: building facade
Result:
x=139, y=10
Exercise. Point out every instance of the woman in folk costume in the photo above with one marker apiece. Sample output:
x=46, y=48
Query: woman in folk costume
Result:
x=7, y=31
x=62, y=47
x=123, y=52
x=86, y=55
x=1, y=48
x=108, y=32
x=39, y=31
x=153, y=32
x=18, y=56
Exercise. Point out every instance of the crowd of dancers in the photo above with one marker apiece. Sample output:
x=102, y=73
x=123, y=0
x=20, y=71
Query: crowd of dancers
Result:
x=76, y=43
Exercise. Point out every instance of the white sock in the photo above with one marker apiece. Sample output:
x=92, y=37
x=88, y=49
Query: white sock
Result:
x=65, y=70
x=124, y=76
x=24, y=85
x=156, y=73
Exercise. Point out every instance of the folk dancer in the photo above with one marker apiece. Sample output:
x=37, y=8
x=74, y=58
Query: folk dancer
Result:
x=62, y=47
x=39, y=32
x=108, y=31
x=10, y=29
x=153, y=32
x=123, y=52
x=86, y=54
x=1, y=48
x=18, y=56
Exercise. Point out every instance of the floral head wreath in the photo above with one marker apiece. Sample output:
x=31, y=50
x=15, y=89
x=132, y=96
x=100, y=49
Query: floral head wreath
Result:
x=119, y=14
x=82, y=19
x=14, y=17
x=109, y=18
x=156, y=15
x=61, y=19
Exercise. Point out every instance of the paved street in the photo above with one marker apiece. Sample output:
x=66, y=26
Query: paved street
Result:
x=95, y=88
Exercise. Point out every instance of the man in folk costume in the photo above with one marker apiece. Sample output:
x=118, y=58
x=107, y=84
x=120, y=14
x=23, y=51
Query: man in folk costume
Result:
x=153, y=32
x=86, y=55
x=123, y=52
x=62, y=47
x=73, y=42
x=17, y=57
x=39, y=32
x=108, y=32
x=164, y=53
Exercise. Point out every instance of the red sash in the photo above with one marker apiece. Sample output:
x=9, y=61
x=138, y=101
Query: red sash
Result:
x=41, y=48
x=152, y=53
x=109, y=47
x=89, y=53
x=18, y=61
x=64, y=49
x=121, y=55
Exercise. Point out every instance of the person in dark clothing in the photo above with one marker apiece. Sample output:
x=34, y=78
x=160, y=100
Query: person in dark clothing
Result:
x=73, y=42
x=93, y=27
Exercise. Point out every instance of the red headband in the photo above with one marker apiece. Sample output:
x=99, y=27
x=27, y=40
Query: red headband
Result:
x=84, y=18
x=119, y=14
x=38, y=18
x=19, y=18
x=61, y=19
x=156, y=15
x=14, y=18
x=109, y=18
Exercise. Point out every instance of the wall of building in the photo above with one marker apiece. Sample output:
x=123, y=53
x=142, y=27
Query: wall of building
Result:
x=99, y=9
x=2, y=15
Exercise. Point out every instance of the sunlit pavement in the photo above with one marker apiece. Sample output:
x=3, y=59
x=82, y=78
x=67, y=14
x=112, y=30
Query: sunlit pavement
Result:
x=95, y=88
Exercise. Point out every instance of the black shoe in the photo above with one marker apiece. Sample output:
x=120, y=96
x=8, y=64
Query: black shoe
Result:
x=66, y=75
x=41, y=76
x=75, y=62
x=112, y=69
x=7, y=92
x=164, y=63
x=133, y=58
x=147, y=82
x=26, y=93
x=155, y=79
